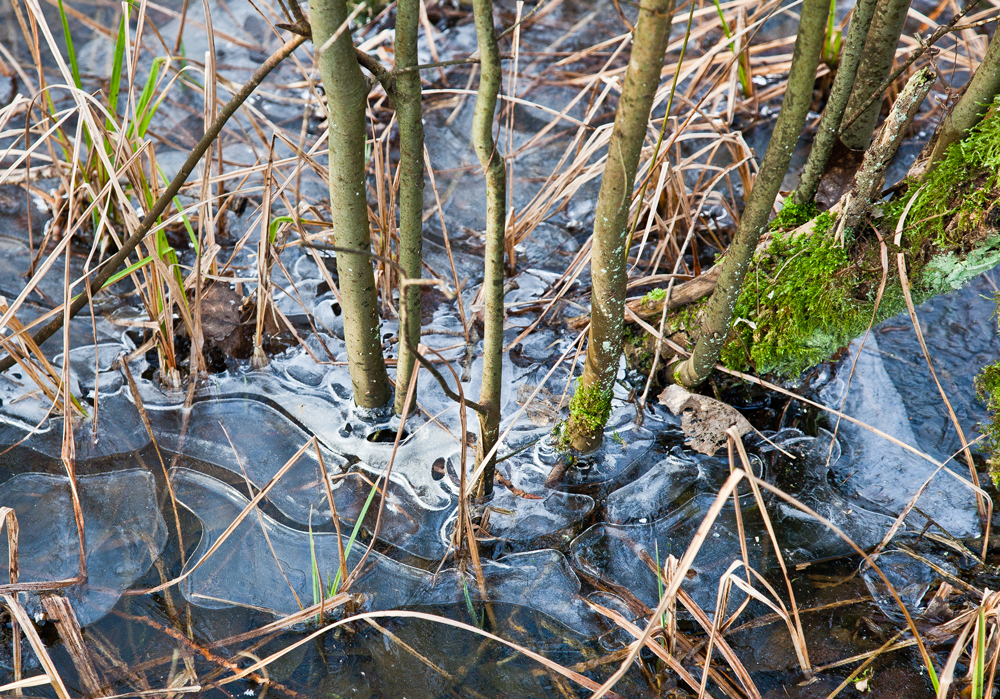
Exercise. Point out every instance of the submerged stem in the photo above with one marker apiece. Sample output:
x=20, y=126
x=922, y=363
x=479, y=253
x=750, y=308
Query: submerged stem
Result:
x=411, y=188
x=347, y=91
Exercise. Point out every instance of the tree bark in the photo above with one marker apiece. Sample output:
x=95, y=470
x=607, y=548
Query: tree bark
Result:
x=346, y=95
x=880, y=50
x=973, y=104
x=719, y=312
x=868, y=182
x=496, y=213
x=591, y=403
x=836, y=105
x=411, y=188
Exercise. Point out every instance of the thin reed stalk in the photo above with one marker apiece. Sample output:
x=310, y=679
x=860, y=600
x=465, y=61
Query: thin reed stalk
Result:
x=411, y=188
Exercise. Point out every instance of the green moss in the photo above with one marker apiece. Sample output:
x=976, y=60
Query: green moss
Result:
x=797, y=306
x=654, y=295
x=805, y=296
x=793, y=215
x=955, y=197
x=988, y=388
x=590, y=407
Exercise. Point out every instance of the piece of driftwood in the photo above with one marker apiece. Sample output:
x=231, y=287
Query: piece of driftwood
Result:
x=681, y=295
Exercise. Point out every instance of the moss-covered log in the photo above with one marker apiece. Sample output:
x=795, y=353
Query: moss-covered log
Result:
x=806, y=296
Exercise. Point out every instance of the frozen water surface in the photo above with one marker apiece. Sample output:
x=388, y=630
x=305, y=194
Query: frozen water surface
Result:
x=619, y=555
x=123, y=534
x=280, y=566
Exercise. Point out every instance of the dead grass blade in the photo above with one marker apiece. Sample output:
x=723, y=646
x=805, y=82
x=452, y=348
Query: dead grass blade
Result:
x=582, y=680
x=41, y=652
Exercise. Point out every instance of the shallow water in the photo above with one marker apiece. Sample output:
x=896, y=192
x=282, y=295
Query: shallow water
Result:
x=549, y=551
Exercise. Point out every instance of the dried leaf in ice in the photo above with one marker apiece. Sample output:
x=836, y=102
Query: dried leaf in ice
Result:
x=704, y=420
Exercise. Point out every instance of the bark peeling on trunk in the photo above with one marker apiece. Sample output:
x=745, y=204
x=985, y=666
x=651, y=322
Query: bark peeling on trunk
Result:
x=591, y=403
x=346, y=93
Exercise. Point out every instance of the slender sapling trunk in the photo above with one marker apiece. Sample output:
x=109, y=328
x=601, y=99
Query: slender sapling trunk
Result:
x=973, y=104
x=836, y=105
x=791, y=119
x=496, y=194
x=591, y=403
x=411, y=188
x=346, y=95
x=876, y=63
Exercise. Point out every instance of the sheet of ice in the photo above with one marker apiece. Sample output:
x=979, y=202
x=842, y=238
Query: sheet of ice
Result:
x=245, y=572
x=536, y=519
x=625, y=448
x=655, y=492
x=806, y=477
x=124, y=533
x=23, y=412
x=875, y=470
x=243, y=435
x=614, y=553
x=912, y=579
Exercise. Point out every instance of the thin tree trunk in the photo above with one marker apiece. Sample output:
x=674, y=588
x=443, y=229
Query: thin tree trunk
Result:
x=346, y=95
x=871, y=176
x=880, y=50
x=411, y=188
x=798, y=95
x=496, y=194
x=836, y=105
x=975, y=101
x=591, y=403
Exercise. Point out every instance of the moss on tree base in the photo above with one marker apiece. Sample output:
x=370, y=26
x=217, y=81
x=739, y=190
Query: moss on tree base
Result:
x=589, y=410
x=806, y=296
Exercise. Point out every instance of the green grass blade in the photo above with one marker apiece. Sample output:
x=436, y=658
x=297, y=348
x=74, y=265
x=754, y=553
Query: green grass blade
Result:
x=722, y=18
x=468, y=603
x=116, y=67
x=979, y=671
x=74, y=66
x=317, y=581
x=659, y=583
x=354, y=535
x=275, y=224
x=117, y=276
x=144, y=110
x=184, y=217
